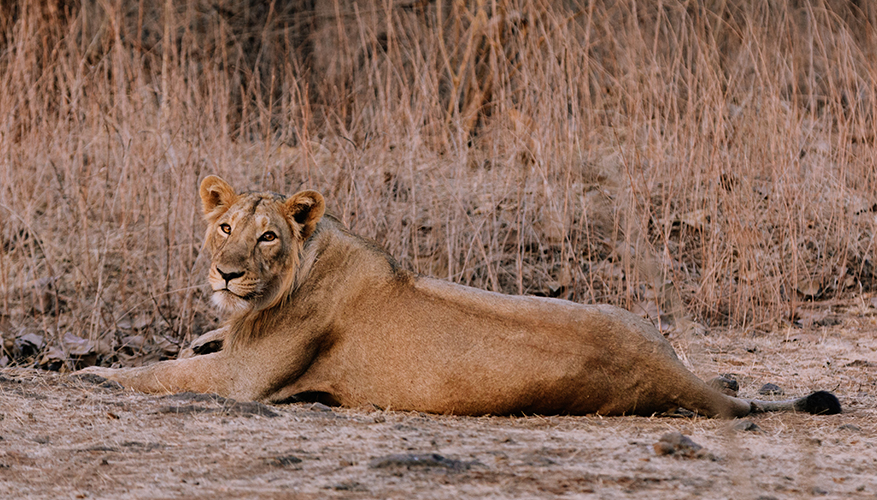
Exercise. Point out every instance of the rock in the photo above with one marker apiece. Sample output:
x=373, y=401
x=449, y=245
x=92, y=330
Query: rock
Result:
x=746, y=426
x=680, y=445
x=771, y=390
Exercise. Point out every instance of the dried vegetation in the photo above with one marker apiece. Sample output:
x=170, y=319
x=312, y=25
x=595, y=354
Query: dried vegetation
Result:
x=707, y=160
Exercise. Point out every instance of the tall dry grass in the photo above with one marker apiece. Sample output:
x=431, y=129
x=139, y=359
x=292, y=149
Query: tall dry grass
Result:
x=713, y=160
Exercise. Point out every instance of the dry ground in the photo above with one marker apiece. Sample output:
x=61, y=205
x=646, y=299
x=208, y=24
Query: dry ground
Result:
x=67, y=438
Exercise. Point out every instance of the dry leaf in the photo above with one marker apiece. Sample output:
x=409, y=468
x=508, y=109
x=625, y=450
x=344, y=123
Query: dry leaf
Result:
x=77, y=346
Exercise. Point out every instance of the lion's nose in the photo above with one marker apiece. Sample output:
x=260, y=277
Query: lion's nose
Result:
x=229, y=276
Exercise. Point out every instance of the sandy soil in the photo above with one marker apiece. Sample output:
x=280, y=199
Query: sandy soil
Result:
x=67, y=438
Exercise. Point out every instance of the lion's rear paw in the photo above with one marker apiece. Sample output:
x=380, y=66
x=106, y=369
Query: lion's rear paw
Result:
x=725, y=384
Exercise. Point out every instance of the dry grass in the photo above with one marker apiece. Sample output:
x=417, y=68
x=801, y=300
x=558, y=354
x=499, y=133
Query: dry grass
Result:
x=713, y=159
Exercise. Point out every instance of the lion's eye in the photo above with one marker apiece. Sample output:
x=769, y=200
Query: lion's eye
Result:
x=269, y=236
x=225, y=228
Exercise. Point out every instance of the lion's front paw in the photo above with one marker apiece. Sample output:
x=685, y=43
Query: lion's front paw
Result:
x=97, y=375
x=211, y=341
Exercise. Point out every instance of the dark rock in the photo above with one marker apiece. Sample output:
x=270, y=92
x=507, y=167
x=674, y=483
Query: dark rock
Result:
x=771, y=390
x=680, y=445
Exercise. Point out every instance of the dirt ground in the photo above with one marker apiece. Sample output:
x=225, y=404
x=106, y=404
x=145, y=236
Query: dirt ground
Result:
x=62, y=437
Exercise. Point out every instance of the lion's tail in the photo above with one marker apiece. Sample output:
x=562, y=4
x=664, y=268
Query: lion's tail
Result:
x=818, y=403
x=706, y=400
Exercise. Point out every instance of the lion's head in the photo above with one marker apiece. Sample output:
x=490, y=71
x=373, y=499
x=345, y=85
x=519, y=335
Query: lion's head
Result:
x=256, y=241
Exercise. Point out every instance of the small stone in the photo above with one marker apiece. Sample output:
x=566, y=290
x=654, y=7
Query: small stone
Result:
x=680, y=445
x=746, y=426
x=771, y=390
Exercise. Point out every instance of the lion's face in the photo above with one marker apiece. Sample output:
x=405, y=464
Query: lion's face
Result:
x=255, y=240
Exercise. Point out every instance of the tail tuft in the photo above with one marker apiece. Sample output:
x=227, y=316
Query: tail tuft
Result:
x=821, y=403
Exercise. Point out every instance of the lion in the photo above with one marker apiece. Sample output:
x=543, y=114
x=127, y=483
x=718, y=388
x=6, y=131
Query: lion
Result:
x=318, y=312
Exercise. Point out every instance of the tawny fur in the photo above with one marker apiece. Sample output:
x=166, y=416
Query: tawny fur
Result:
x=316, y=309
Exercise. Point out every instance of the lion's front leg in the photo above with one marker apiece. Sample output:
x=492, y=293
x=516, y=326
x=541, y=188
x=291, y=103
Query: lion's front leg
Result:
x=207, y=374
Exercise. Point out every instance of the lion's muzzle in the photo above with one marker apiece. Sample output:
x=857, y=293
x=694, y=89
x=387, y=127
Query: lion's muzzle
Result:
x=228, y=276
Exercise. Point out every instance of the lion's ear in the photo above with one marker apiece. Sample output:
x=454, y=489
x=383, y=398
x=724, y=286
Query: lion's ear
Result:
x=306, y=208
x=216, y=197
